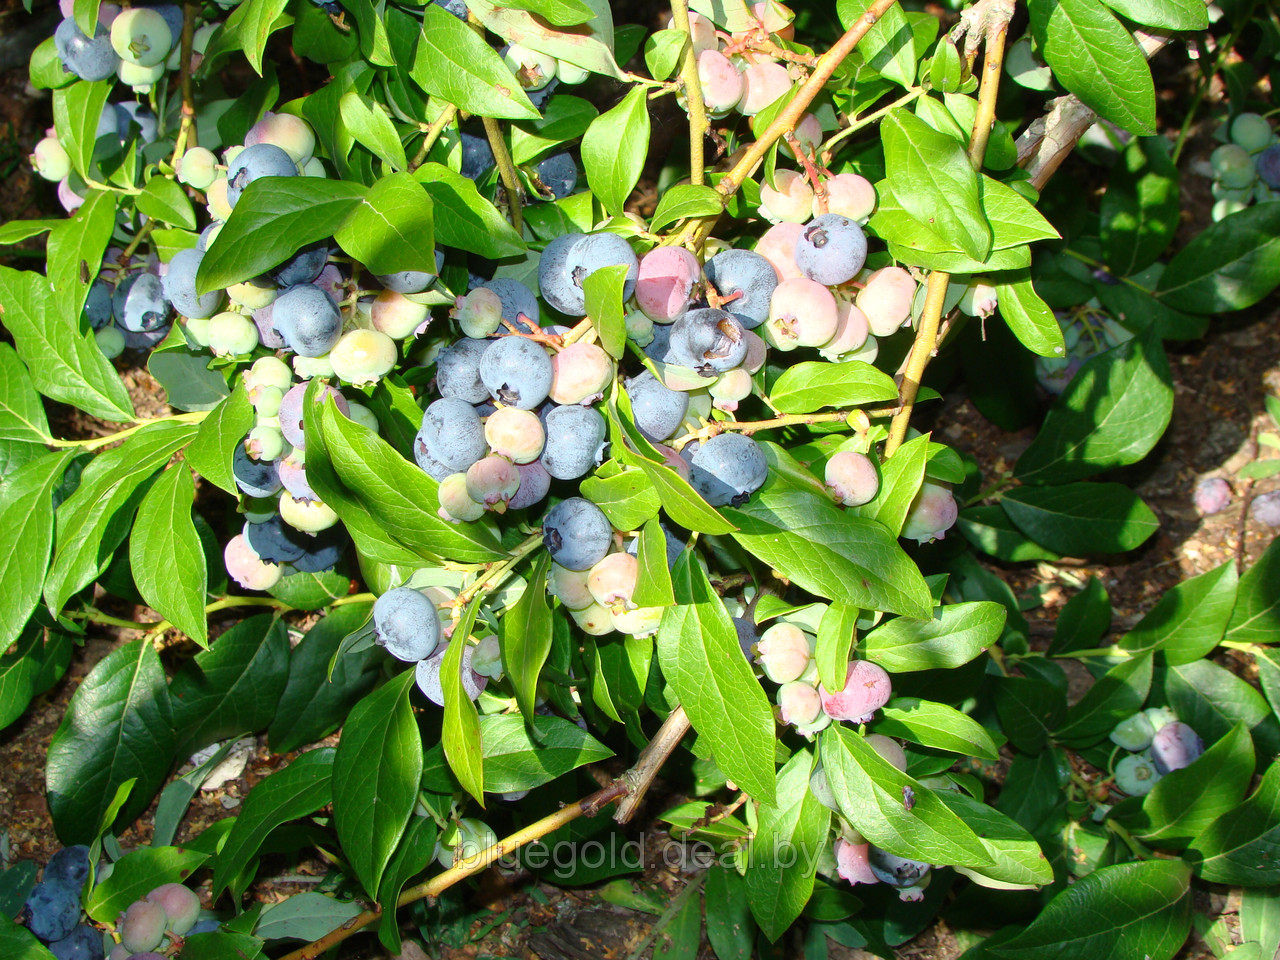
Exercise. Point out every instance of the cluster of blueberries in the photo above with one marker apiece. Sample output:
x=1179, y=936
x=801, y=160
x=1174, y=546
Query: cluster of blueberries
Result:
x=151, y=925
x=1158, y=742
x=1245, y=169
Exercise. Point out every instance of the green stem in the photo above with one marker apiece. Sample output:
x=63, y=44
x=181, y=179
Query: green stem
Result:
x=91, y=615
x=869, y=119
x=436, y=128
x=668, y=915
x=1086, y=259
x=1111, y=651
x=1138, y=850
x=497, y=575
x=998, y=487
x=93, y=443
x=698, y=123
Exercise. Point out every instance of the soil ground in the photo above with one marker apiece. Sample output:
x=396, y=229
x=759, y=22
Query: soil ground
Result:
x=1219, y=385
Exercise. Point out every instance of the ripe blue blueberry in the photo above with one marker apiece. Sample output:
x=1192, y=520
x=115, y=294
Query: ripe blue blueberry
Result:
x=412, y=281
x=575, y=441
x=658, y=410
x=894, y=870
x=477, y=156
x=97, y=306
x=307, y=319
x=577, y=533
x=748, y=279
x=70, y=865
x=535, y=483
x=558, y=174
x=457, y=7
x=568, y=261
x=132, y=119
x=179, y=286
x=458, y=371
x=82, y=943
x=517, y=372
x=452, y=434
x=88, y=59
x=1175, y=746
x=257, y=478
x=259, y=160
x=406, y=623
x=304, y=266
x=275, y=541
x=708, y=340
x=517, y=301
x=831, y=250
x=1268, y=166
x=727, y=469
x=323, y=551
x=140, y=304
x=54, y=909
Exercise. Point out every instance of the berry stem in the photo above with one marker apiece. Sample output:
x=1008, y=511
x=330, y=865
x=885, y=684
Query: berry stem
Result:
x=437, y=127
x=876, y=116
x=506, y=170
x=698, y=122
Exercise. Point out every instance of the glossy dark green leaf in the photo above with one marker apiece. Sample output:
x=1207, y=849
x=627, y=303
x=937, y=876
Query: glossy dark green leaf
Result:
x=370, y=127
x=313, y=703
x=564, y=118
x=1030, y=318
x=297, y=790
x=627, y=498
x=1256, y=618
x=136, y=874
x=1212, y=700
x=1242, y=847
x=117, y=727
x=525, y=638
x=888, y=47
x=1094, y=57
x=1230, y=265
x=211, y=451
x=653, y=581
x=76, y=111
x=783, y=853
x=233, y=687
x=871, y=791
x=1076, y=519
x=614, y=148
x=516, y=758
x=251, y=24
x=305, y=916
x=1118, y=693
x=837, y=635
x=463, y=218
x=221, y=945
x=166, y=556
x=959, y=633
x=901, y=477
x=700, y=657
x=730, y=928
x=416, y=851
x=805, y=387
x=273, y=219
x=376, y=771
x=1128, y=911
x=164, y=200
x=461, y=731
x=662, y=52
x=990, y=530
x=188, y=382
x=455, y=64
x=94, y=520
x=21, y=411
x=1189, y=620
x=26, y=538
x=1165, y=14
x=1112, y=414
x=935, y=725
x=18, y=668
x=1018, y=861
x=1141, y=206
x=1029, y=708
x=1084, y=620
x=311, y=591
x=392, y=228
x=64, y=361
x=686, y=200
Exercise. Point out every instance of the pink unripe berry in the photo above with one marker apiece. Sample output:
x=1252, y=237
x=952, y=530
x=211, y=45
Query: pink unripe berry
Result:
x=570, y=587
x=721, y=82
x=50, y=160
x=763, y=83
x=850, y=195
x=802, y=313
x=396, y=315
x=143, y=926
x=808, y=133
x=702, y=29
x=778, y=246
x=730, y=388
x=933, y=512
x=515, y=434
x=799, y=703
x=851, y=331
x=594, y=621
x=979, y=299
x=579, y=373
x=886, y=298
x=852, y=478
x=479, y=313
x=852, y=864
x=1212, y=495
x=197, y=167
x=1266, y=508
x=180, y=905
x=889, y=749
x=664, y=286
x=493, y=481
x=246, y=568
x=867, y=688
x=612, y=581
x=790, y=202
x=456, y=504
x=775, y=18
x=784, y=652
x=291, y=134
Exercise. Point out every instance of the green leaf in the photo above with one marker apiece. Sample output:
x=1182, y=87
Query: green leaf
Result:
x=15, y=231
x=26, y=538
x=18, y=669
x=565, y=118
x=233, y=687
x=464, y=219
x=1029, y=708
x=1260, y=920
x=1118, y=693
x=74, y=252
x=1141, y=206
x=221, y=944
x=188, y=382
x=686, y=200
x=1127, y=911
x=118, y=727
x=375, y=44
x=888, y=47
x=935, y=725
x=700, y=657
x=730, y=929
x=1030, y=318
x=455, y=64
x=94, y=520
x=1256, y=618
x=461, y=731
x=416, y=851
x=1242, y=847
x=1094, y=57
x=1185, y=802
x=831, y=554
x=212, y=450
x=870, y=792
x=806, y=387
x=305, y=916
x=391, y=228
x=662, y=52
x=372, y=128
x=1211, y=700
x=901, y=477
x=782, y=857
x=164, y=200
x=837, y=634
x=19, y=943
x=603, y=290
x=76, y=111
x=136, y=874
x=1019, y=863
x=1083, y=622
x=274, y=218
x=297, y=790
x=934, y=182
x=517, y=759
x=64, y=361
x=1112, y=413
x=627, y=498
x=314, y=703
x=614, y=148
x=1137, y=309
x=166, y=557
x=959, y=633
x=1163, y=14
x=398, y=495
x=590, y=46
x=525, y=638
x=376, y=771
x=1189, y=620
x=1076, y=519
x=990, y=530
x=653, y=582
x=311, y=591
x=562, y=13
x=251, y=24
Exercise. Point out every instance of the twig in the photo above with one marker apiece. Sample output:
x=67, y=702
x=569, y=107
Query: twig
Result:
x=186, y=138
x=640, y=777
x=436, y=128
x=506, y=170
x=698, y=123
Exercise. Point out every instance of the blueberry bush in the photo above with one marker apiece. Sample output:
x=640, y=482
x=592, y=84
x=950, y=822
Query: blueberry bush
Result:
x=568, y=369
